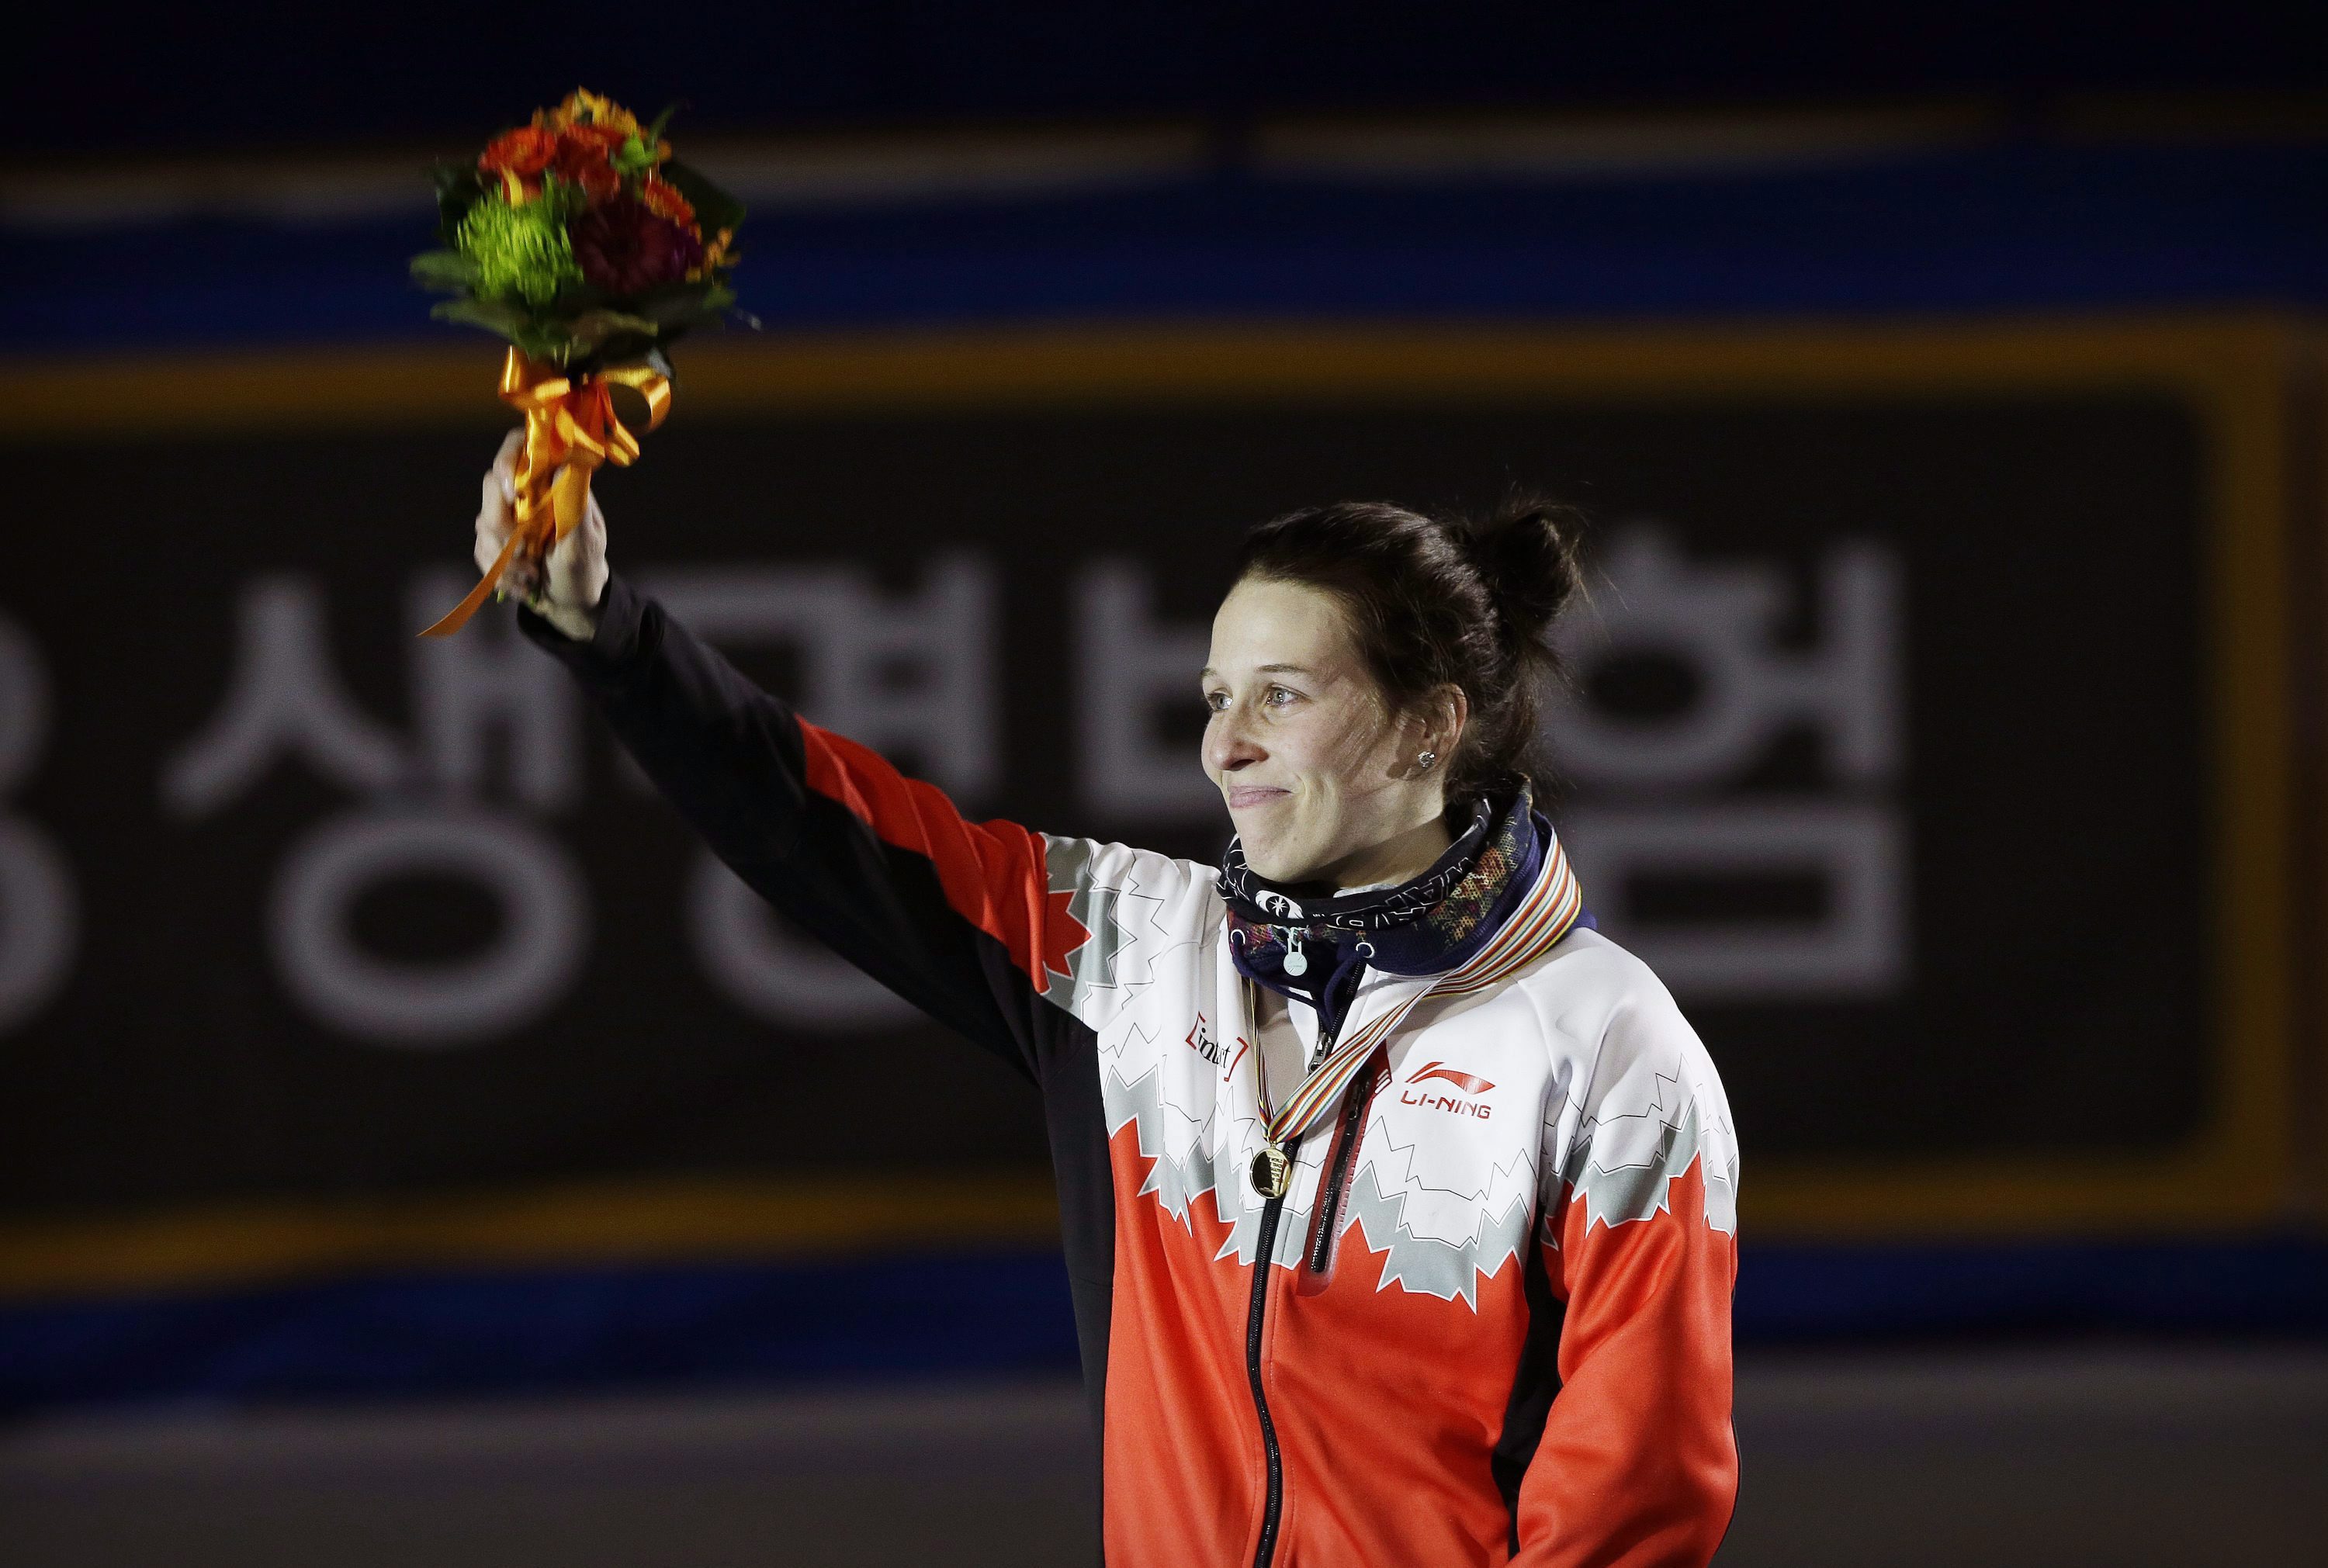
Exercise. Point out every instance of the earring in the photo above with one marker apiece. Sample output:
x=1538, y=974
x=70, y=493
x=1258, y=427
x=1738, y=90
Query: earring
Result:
x=1426, y=759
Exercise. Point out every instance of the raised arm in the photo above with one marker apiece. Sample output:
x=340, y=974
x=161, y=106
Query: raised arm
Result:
x=1637, y=1466
x=955, y=917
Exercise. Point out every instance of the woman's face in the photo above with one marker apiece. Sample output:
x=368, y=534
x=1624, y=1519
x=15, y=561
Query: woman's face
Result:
x=1316, y=770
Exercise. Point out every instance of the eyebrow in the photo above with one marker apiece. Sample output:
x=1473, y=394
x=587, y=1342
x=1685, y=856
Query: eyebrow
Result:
x=1284, y=669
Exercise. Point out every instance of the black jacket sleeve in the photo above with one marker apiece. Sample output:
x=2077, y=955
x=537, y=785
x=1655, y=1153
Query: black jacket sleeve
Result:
x=955, y=917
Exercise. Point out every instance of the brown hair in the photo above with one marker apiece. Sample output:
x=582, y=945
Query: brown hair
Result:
x=1434, y=601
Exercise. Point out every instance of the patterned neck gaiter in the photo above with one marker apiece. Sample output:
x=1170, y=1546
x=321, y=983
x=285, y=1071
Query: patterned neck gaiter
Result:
x=1427, y=925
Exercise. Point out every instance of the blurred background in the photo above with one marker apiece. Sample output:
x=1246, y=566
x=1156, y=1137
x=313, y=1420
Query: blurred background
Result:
x=413, y=1149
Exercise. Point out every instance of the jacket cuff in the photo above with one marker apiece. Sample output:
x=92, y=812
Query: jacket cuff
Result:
x=624, y=636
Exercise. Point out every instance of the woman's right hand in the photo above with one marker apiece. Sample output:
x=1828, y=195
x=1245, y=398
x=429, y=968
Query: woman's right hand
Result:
x=566, y=593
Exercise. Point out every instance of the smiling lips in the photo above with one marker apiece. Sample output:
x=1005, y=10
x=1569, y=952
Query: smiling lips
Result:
x=1243, y=796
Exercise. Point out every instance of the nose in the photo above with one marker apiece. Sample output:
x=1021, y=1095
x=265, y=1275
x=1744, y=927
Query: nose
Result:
x=1229, y=744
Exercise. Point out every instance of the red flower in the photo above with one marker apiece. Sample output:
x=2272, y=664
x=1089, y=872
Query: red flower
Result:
x=626, y=249
x=585, y=157
x=603, y=141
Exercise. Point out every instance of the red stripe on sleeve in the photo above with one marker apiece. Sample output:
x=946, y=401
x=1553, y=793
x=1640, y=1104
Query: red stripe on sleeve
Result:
x=995, y=874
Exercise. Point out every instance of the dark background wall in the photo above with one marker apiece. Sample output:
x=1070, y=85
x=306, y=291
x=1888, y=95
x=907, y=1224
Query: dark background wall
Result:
x=1979, y=347
x=102, y=79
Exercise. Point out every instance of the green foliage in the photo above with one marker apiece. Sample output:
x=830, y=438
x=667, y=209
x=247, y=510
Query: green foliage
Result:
x=546, y=340
x=632, y=159
x=447, y=271
x=715, y=209
x=493, y=315
x=685, y=304
x=521, y=252
x=459, y=187
x=594, y=328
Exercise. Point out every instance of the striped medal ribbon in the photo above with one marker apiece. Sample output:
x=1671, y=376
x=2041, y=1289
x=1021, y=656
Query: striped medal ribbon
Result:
x=1543, y=918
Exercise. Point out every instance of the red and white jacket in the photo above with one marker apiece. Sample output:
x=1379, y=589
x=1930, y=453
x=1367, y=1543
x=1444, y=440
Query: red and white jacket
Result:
x=1511, y=1341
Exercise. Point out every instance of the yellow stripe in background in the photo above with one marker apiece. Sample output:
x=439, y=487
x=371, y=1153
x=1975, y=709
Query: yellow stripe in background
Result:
x=637, y=1221
x=740, y=374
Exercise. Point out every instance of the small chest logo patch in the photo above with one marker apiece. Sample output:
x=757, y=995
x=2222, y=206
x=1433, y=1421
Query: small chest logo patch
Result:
x=1199, y=1039
x=1452, y=1105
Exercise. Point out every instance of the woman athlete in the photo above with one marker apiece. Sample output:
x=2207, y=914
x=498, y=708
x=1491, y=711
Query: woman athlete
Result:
x=1399, y=1205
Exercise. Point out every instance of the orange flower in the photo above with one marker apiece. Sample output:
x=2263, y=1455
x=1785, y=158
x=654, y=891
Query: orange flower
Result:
x=664, y=201
x=523, y=151
x=519, y=158
x=578, y=142
x=715, y=255
x=582, y=107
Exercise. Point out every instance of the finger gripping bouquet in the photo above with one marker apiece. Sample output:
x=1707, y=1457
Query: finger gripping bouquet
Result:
x=579, y=239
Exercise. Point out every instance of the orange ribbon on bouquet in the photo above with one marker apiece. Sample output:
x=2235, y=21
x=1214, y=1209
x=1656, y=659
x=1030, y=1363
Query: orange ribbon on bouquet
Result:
x=570, y=428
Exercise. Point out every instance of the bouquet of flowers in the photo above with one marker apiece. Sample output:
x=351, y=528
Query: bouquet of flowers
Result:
x=580, y=239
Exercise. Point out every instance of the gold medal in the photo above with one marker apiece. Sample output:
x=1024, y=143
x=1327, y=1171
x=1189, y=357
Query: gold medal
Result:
x=1272, y=1173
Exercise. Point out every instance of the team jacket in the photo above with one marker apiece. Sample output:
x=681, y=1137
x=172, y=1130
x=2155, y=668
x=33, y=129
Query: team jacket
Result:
x=1509, y=1342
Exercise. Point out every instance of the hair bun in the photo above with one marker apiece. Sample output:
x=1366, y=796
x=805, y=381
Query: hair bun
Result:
x=1526, y=554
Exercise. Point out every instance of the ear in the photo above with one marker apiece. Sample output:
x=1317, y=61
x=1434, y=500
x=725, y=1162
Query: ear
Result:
x=1437, y=726
x=1449, y=712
